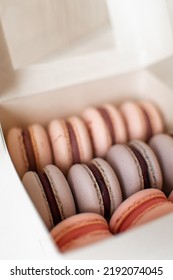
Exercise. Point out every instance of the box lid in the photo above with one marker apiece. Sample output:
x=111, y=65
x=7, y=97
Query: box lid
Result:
x=127, y=35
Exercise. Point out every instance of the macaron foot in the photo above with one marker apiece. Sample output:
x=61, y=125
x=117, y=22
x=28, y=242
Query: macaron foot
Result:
x=80, y=230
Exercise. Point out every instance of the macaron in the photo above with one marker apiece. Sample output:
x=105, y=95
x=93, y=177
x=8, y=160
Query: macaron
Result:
x=80, y=230
x=170, y=197
x=95, y=187
x=106, y=126
x=162, y=145
x=29, y=148
x=70, y=142
x=143, y=119
x=140, y=208
x=136, y=167
x=51, y=194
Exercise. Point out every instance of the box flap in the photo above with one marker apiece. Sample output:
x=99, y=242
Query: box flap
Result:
x=36, y=28
x=142, y=29
x=33, y=29
x=140, y=34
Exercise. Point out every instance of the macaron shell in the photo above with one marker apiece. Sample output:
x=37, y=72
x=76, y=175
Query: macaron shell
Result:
x=127, y=169
x=41, y=145
x=155, y=212
x=79, y=221
x=79, y=230
x=99, y=132
x=35, y=190
x=170, y=197
x=162, y=145
x=132, y=203
x=88, y=239
x=154, y=169
x=155, y=116
x=112, y=182
x=17, y=150
x=118, y=123
x=85, y=190
x=61, y=145
x=61, y=190
x=83, y=138
x=132, y=113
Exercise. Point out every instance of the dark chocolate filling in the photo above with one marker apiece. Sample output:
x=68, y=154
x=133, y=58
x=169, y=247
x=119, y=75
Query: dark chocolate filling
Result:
x=103, y=189
x=143, y=166
x=108, y=121
x=74, y=144
x=50, y=198
x=149, y=126
x=29, y=150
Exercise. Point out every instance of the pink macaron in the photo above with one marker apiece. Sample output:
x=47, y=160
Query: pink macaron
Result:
x=95, y=187
x=162, y=145
x=80, y=230
x=143, y=119
x=51, y=194
x=106, y=127
x=70, y=141
x=136, y=167
x=29, y=148
x=140, y=208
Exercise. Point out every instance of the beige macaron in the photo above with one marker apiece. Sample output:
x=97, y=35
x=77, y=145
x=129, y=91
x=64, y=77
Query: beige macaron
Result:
x=70, y=142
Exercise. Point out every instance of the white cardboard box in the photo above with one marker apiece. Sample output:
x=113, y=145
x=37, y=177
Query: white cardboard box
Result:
x=71, y=85
x=47, y=25
x=22, y=229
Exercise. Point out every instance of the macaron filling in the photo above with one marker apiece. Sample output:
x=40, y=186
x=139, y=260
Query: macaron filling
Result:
x=143, y=165
x=105, y=115
x=138, y=210
x=148, y=123
x=74, y=143
x=56, y=216
x=81, y=230
x=29, y=150
x=103, y=189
